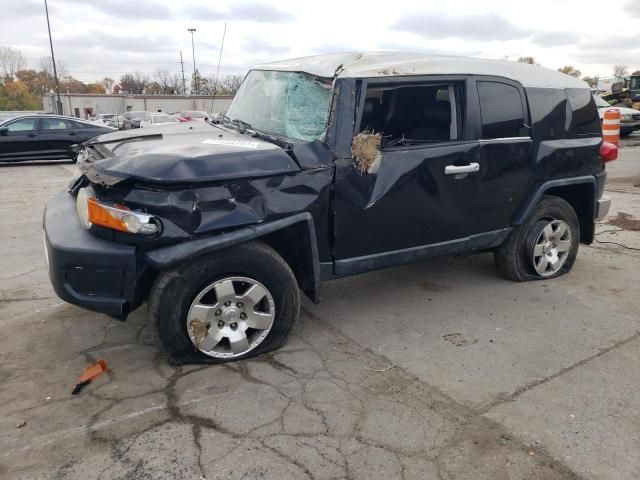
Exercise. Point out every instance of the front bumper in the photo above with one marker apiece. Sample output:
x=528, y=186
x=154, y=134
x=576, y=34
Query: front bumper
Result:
x=629, y=127
x=94, y=274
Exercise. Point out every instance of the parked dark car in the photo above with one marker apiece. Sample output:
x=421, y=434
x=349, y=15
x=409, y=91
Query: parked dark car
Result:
x=132, y=119
x=44, y=137
x=326, y=167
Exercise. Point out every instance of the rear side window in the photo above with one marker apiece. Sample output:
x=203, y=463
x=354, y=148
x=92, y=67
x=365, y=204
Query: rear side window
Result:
x=550, y=113
x=501, y=110
x=585, y=118
x=75, y=124
x=56, y=124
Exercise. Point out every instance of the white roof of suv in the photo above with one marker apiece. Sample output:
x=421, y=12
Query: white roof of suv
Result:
x=389, y=64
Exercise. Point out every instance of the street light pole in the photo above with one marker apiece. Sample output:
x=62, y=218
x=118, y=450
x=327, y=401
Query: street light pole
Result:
x=53, y=60
x=193, y=51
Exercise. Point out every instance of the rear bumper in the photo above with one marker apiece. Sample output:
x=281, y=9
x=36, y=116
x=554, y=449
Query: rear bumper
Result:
x=94, y=274
x=602, y=207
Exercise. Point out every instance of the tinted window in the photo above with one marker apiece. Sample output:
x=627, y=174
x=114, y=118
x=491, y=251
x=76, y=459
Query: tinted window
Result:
x=24, y=125
x=76, y=125
x=585, y=118
x=550, y=112
x=501, y=109
x=56, y=124
x=419, y=113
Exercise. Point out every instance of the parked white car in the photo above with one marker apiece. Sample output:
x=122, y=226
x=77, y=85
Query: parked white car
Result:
x=629, y=117
x=154, y=119
x=103, y=117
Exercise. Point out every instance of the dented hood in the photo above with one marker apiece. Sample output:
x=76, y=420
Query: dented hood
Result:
x=186, y=152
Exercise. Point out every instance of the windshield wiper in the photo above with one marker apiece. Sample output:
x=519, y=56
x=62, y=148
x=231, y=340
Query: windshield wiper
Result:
x=275, y=140
x=241, y=125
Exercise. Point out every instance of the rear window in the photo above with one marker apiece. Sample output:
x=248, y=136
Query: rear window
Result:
x=501, y=110
x=585, y=118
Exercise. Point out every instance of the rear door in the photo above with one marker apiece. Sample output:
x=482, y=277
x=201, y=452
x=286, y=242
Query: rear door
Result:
x=57, y=135
x=506, y=149
x=20, y=141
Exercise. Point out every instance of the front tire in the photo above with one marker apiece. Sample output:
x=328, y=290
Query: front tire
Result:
x=544, y=246
x=235, y=304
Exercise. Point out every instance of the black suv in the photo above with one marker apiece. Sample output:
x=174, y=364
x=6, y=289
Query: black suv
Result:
x=325, y=167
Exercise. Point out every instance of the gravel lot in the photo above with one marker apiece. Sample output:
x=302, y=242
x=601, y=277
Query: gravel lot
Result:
x=436, y=370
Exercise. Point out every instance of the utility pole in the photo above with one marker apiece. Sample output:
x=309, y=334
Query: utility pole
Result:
x=193, y=51
x=215, y=87
x=53, y=60
x=184, y=88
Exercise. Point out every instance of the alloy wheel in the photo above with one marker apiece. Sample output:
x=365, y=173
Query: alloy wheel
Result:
x=230, y=317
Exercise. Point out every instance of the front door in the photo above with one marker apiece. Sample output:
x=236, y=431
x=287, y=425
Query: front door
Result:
x=420, y=190
x=19, y=139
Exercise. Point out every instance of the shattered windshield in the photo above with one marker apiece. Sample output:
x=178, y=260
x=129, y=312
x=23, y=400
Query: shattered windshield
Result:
x=294, y=105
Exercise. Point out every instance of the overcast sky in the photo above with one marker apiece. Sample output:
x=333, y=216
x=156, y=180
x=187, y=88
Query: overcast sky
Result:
x=97, y=38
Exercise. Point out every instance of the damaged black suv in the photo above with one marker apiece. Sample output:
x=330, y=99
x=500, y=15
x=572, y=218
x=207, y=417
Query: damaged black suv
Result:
x=324, y=167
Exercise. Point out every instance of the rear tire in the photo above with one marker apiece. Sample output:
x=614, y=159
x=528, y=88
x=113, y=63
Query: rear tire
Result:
x=544, y=246
x=235, y=304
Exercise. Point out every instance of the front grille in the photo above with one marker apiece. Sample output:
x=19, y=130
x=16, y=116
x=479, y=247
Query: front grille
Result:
x=636, y=116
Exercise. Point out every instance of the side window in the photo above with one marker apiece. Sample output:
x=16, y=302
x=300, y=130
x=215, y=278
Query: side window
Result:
x=55, y=124
x=412, y=114
x=501, y=110
x=585, y=118
x=24, y=125
x=77, y=125
x=550, y=112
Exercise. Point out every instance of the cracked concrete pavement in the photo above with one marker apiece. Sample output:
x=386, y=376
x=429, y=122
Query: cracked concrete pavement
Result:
x=489, y=379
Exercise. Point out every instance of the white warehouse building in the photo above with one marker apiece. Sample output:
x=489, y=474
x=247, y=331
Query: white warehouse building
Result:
x=85, y=105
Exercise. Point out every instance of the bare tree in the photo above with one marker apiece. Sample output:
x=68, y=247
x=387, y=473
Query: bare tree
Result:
x=232, y=83
x=11, y=61
x=107, y=83
x=163, y=78
x=620, y=71
x=529, y=60
x=570, y=70
x=46, y=66
x=226, y=85
x=592, y=81
x=176, y=86
x=140, y=81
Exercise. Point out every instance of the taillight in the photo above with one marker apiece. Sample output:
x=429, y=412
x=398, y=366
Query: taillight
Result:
x=608, y=152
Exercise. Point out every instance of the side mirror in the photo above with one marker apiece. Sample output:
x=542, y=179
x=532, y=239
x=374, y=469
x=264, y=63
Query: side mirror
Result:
x=4, y=130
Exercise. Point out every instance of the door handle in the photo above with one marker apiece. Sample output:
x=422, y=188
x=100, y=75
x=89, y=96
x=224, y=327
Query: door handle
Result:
x=455, y=169
x=32, y=135
x=73, y=133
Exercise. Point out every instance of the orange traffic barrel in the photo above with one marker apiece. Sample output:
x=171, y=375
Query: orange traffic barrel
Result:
x=611, y=126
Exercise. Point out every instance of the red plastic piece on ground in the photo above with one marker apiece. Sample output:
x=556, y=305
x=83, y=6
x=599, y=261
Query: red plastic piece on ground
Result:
x=90, y=373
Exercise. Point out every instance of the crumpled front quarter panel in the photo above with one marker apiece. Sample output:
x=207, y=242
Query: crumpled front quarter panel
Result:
x=190, y=211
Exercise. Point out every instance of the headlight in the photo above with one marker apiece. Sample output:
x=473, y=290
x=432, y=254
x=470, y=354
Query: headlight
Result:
x=626, y=118
x=117, y=217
